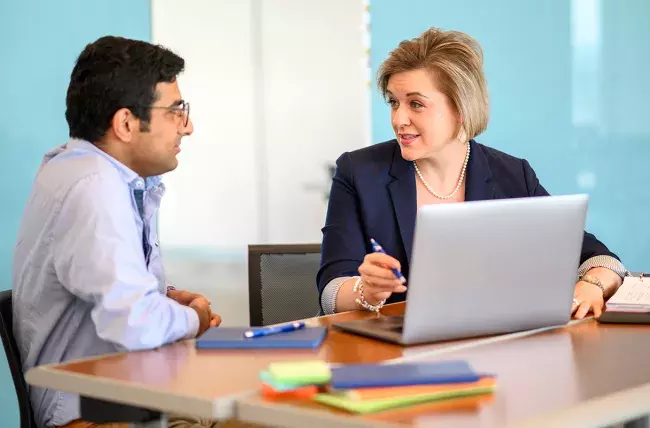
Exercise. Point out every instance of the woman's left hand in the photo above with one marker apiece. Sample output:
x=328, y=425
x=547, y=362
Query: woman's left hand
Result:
x=589, y=298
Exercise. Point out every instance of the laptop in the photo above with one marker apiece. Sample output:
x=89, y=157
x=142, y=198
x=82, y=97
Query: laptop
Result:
x=487, y=267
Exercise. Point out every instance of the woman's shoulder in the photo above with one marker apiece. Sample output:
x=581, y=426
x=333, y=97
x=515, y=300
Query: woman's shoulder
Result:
x=498, y=157
x=376, y=158
x=376, y=152
x=372, y=163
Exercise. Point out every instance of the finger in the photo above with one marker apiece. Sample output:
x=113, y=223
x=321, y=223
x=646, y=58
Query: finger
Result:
x=191, y=296
x=215, y=320
x=575, y=305
x=598, y=311
x=382, y=260
x=380, y=283
x=583, y=310
x=376, y=271
x=201, y=301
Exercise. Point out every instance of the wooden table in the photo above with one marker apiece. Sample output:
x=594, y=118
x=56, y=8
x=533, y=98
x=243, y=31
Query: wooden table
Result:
x=586, y=374
x=541, y=376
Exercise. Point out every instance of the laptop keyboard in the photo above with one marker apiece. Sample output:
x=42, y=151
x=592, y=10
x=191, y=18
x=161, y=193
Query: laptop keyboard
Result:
x=393, y=323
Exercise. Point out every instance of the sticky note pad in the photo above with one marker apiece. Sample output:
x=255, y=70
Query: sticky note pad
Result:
x=301, y=372
x=266, y=378
x=304, y=392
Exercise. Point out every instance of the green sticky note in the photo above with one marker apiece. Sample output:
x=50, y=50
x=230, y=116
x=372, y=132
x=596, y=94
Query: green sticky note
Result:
x=369, y=406
x=301, y=372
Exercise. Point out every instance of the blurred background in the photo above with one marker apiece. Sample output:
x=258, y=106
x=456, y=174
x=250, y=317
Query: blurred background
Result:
x=280, y=88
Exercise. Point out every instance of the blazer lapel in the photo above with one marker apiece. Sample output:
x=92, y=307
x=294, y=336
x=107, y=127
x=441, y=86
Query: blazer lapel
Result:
x=479, y=185
x=404, y=198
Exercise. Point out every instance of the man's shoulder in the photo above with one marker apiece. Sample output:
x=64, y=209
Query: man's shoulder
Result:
x=68, y=168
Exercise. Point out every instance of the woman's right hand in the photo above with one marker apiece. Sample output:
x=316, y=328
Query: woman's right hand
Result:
x=379, y=281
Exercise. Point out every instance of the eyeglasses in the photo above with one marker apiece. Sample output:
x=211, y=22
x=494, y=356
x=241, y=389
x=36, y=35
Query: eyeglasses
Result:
x=183, y=107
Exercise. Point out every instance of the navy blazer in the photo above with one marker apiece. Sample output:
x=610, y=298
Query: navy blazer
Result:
x=373, y=195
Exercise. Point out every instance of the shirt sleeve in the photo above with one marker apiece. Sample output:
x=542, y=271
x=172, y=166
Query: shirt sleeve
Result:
x=98, y=257
x=606, y=262
x=330, y=293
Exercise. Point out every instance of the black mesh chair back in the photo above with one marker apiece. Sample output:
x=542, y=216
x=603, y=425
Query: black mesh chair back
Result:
x=282, y=282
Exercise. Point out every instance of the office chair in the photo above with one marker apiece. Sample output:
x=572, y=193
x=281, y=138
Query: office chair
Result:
x=282, y=282
x=13, y=358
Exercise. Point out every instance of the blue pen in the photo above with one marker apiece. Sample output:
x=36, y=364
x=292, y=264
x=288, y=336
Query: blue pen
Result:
x=274, y=330
x=377, y=249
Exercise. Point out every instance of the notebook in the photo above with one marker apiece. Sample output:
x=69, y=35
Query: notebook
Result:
x=633, y=293
x=362, y=394
x=369, y=406
x=233, y=338
x=631, y=302
x=421, y=373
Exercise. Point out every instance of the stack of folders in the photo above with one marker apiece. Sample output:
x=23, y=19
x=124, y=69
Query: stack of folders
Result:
x=367, y=388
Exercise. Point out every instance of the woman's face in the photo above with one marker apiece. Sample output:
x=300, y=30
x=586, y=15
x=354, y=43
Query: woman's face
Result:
x=423, y=118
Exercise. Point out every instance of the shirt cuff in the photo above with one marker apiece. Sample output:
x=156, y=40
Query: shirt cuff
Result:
x=192, y=323
x=607, y=262
x=331, y=290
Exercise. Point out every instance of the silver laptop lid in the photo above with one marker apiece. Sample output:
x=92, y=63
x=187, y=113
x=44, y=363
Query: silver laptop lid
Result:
x=495, y=266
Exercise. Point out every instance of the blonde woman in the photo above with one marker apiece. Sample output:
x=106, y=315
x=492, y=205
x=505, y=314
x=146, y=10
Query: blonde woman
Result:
x=438, y=97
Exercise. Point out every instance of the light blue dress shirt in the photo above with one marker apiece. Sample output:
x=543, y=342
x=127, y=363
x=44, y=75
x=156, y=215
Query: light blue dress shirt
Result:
x=82, y=283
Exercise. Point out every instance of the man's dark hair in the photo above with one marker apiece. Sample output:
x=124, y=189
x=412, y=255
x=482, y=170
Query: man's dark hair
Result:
x=114, y=73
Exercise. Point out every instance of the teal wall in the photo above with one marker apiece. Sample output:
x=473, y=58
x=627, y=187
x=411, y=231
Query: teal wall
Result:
x=569, y=91
x=39, y=42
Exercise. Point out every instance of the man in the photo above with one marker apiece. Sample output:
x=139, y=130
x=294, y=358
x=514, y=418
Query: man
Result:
x=88, y=277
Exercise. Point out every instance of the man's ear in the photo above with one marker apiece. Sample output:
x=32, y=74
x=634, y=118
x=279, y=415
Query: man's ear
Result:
x=124, y=124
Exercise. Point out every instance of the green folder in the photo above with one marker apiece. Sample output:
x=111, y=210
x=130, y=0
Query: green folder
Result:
x=370, y=406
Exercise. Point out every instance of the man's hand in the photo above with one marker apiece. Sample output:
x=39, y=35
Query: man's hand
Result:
x=202, y=308
x=215, y=320
x=184, y=297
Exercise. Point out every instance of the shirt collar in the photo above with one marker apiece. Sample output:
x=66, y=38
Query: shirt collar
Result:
x=129, y=176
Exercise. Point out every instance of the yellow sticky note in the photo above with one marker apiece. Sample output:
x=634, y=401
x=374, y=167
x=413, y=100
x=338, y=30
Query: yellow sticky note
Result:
x=302, y=372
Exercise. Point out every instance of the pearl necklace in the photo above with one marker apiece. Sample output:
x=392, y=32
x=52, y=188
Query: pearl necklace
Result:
x=460, y=180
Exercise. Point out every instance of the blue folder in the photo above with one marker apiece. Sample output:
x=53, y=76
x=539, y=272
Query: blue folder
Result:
x=233, y=338
x=384, y=375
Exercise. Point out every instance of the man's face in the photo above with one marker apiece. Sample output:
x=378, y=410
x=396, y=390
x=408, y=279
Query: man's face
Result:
x=155, y=150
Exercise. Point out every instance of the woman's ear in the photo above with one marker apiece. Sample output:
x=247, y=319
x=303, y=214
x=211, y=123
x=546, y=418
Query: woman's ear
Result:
x=461, y=135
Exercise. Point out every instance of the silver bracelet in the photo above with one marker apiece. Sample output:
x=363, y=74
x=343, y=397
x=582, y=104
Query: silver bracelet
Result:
x=361, y=300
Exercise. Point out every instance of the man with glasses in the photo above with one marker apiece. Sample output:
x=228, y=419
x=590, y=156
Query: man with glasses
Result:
x=88, y=277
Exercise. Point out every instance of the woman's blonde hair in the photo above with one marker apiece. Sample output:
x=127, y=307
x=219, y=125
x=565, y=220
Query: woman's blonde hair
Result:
x=456, y=60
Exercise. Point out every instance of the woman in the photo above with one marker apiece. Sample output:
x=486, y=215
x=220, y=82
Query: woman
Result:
x=437, y=92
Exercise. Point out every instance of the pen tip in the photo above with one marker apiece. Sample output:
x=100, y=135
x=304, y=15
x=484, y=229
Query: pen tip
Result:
x=248, y=334
x=372, y=240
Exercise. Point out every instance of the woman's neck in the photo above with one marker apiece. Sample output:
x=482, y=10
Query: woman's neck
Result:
x=442, y=169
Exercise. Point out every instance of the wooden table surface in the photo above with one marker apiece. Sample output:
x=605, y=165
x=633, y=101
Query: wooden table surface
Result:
x=585, y=374
x=539, y=373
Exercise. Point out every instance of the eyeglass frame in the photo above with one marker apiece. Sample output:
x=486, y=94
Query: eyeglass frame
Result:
x=183, y=107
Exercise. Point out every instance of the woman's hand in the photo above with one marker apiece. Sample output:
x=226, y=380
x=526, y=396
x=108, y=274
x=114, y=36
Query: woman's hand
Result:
x=379, y=281
x=587, y=298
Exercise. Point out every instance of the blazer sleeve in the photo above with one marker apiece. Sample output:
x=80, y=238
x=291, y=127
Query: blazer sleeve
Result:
x=342, y=249
x=591, y=246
